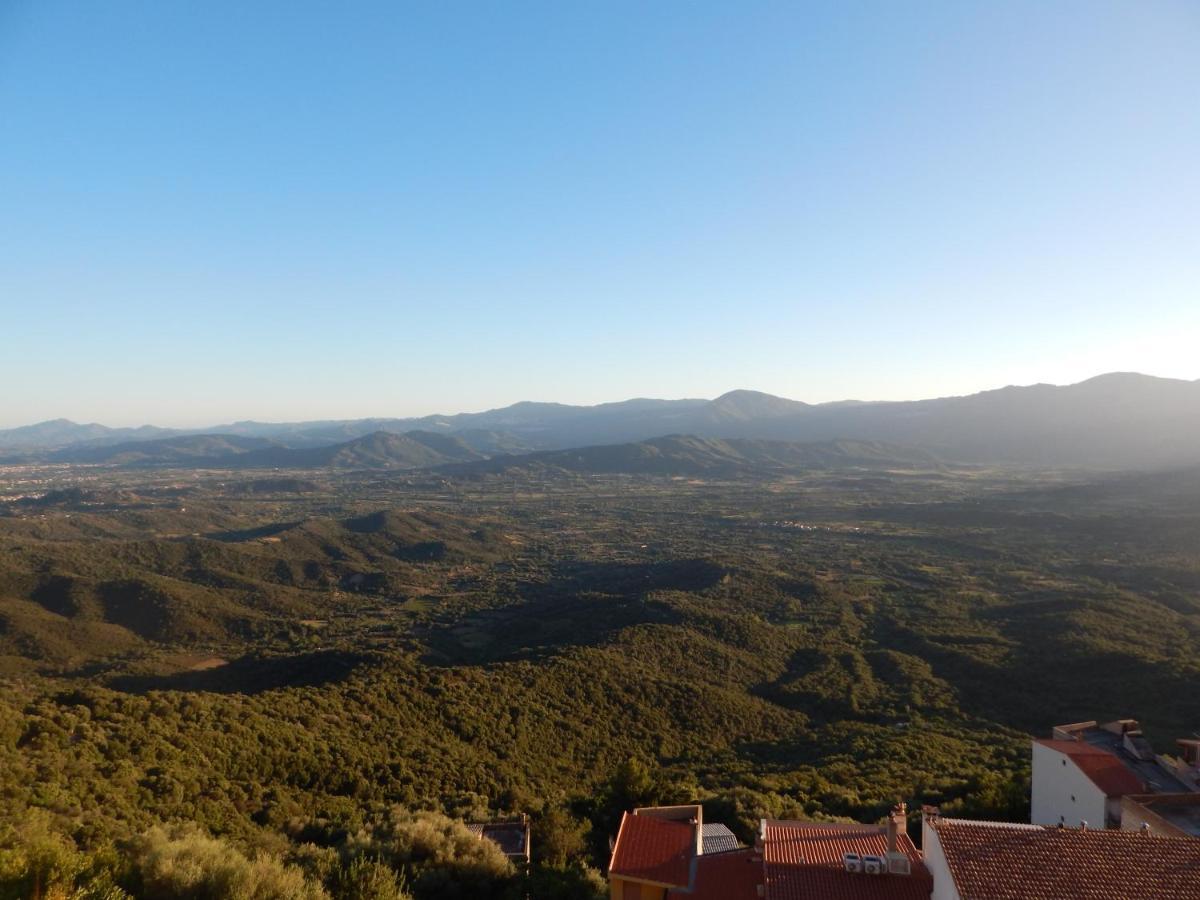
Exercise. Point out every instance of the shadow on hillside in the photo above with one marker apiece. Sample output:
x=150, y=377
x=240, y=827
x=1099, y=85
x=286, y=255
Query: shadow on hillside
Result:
x=250, y=534
x=583, y=604
x=537, y=629
x=59, y=594
x=636, y=578
x=250, y=675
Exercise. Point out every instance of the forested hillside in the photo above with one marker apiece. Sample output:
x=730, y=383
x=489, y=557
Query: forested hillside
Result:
x=294, y=681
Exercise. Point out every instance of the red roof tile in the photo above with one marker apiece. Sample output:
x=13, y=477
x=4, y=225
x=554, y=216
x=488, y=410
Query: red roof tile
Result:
x=829, y=884
x=992, y=861
x=1103, y=768
x=653, y=849
x=804, y=862
x=733, y=875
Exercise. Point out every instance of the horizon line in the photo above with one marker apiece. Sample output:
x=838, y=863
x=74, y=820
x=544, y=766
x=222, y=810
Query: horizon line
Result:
x=235, y=422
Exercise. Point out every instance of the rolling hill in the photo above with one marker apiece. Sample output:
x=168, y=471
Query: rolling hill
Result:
x=379, y=450
x=61, y=605
x=199, y=449
x=688, y=455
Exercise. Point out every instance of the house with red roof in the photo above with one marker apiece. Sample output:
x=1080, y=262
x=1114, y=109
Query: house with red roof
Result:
x=729, y=875
x=823, y=861
x=656, y=851
x=658, y=856
x=970, y=860
x=1083, y=770
x=1074, y=782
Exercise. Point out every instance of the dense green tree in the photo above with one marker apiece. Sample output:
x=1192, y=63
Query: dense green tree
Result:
x=186, y=864
x=364, y=878
x=37, y=862
x=558, y=837
x=570, y=882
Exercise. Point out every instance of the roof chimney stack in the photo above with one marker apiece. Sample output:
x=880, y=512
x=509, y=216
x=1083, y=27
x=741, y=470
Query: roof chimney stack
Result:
x=897, y=825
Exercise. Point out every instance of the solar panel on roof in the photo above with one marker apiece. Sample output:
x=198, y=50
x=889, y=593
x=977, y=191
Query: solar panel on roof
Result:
x=718, y=839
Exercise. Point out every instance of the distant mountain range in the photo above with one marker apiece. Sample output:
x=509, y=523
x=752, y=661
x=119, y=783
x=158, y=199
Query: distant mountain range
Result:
x=63, y=432
x=378, y=450
x=687, y=455
x=1120, y=420
x=183, y=450
x=672, y=455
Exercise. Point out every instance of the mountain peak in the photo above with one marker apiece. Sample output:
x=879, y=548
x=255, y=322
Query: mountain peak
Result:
x=739, y=394
x=1119, y=378
x=744, y=404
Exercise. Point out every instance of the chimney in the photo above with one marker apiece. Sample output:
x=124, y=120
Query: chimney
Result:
x=897, y=825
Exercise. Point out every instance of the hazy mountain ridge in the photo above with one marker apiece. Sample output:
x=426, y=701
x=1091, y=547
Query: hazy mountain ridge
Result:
x=378, y=450
x=164, y=451
x=689, y=455
x=669, y=455
x=1119, y=420
x=63, y=432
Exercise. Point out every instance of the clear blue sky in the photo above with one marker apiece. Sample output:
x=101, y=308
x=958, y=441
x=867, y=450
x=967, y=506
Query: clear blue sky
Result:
x=288, y=210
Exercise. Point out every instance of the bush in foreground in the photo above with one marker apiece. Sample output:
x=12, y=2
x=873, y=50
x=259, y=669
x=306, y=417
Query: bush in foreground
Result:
x=38, y=863
x=186, y=864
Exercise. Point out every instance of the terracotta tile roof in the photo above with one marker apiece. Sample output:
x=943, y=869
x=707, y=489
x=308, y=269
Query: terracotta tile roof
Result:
x=804, y=862
x=993, y=861
x=829, y=884
x=1104, y=769
x=735, y=875
x=653, y=849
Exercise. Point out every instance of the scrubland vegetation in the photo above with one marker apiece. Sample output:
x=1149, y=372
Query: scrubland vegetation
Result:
x=297, y=685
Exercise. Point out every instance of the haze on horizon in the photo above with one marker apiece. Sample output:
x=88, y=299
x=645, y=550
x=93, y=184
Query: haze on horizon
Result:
x=217, y=423
x=291, y=211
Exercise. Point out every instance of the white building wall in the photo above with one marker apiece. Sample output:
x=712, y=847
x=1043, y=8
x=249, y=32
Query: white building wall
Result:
x=935, y=862
x=1062, y=793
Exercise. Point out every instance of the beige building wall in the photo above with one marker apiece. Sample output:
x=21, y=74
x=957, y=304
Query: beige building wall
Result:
x=620, y=889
